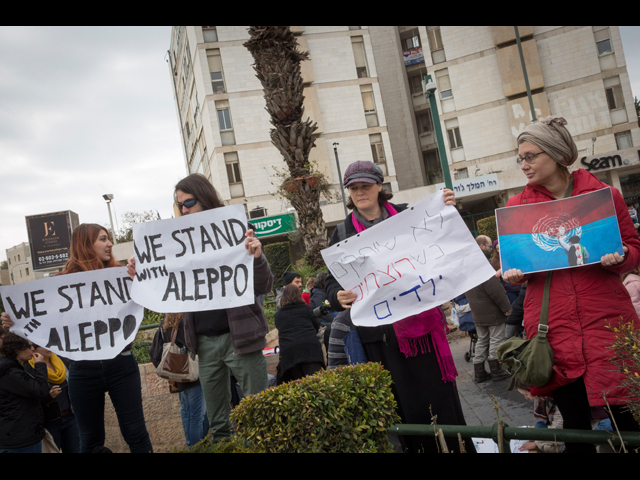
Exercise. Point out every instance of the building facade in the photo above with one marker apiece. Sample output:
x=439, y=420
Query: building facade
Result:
x=363, y=87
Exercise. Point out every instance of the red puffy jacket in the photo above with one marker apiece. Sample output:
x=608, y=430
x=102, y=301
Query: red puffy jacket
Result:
x=583, y=301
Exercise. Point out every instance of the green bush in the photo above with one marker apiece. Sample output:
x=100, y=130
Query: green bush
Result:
x=140, y=350
x=279, y=258
x=487, y=226
x=348, y=409
x=233, y=444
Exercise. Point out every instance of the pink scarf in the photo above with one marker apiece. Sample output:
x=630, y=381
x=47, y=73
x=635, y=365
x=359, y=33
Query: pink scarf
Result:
x=413, y=332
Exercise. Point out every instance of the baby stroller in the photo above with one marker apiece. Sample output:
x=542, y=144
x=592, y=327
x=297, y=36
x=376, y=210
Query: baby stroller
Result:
x=461, y=305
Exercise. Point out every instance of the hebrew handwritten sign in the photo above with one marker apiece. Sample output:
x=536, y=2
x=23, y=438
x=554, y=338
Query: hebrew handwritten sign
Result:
x=411, y=262
x=80, y=316
x=193, y=263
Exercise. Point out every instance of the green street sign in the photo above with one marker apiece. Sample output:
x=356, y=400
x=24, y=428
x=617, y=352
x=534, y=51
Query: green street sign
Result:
x=275, y=225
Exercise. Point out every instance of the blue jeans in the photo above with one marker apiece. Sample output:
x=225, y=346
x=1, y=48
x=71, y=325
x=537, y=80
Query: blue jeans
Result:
x=194, y=414
x=35, y=448
x=120, y=377
x=65, y=433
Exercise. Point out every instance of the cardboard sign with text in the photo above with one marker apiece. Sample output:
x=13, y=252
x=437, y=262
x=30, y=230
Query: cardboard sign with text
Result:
x=411, y=262
x=80, y=316
x=193, y=263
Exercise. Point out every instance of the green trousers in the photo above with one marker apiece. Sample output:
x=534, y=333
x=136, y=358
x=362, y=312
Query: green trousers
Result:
x=215, y=360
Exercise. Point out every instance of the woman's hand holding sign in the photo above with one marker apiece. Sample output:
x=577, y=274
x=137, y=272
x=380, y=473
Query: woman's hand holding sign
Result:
x=612, y=259
x=253, y=244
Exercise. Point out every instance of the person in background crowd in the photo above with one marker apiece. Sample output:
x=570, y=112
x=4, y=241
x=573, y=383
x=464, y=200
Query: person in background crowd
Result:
x=21, y=396
x=193, y=411
x=512, y=290
x=485, y=245
x=414, y=350
x=306, y=293
x=59, y=419
x=3, y=332
x=224, y=339
x=300, y=350
x=290, y=278
x=633, y=213
x=584, y=302
x=490, y=307
x=91, y=379
x=631, y=282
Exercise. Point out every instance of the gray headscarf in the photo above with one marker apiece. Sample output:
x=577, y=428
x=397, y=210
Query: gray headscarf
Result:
x=551, y=136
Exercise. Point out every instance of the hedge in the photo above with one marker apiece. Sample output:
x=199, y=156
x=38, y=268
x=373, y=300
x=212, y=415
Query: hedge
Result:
x=487, y=226
x=279, y=258
x=347, y=409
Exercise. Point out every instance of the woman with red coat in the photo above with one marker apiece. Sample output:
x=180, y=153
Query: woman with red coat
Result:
x=583, y=300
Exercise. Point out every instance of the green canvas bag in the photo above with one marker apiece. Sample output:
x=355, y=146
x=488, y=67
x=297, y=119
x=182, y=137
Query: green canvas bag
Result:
x=531, y=361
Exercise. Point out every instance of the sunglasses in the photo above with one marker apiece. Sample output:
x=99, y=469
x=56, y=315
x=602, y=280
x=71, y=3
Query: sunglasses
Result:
x=189, y=202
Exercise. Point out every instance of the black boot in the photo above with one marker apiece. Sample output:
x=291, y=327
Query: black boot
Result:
x=497, y=372
x=480, y=374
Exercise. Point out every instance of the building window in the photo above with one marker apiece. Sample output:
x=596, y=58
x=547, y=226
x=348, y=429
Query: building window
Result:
x=615, y=100
x=360, y=57
x=435, y=44
x=454, y=137
x=377, y=151
x=369, y=105
x=623, y=140
x=355, y=28
x=215, y=70
x=224, y=118
x=233, y=174
x=425, y=122
x=224, y=121
x=461, y=174
x=444, y=84
x=603, y=40
x=210, y=34
x=415, y=84
x=411, y=43
x=27, y=271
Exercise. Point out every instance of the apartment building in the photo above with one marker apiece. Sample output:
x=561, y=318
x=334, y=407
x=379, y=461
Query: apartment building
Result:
x=363, y=86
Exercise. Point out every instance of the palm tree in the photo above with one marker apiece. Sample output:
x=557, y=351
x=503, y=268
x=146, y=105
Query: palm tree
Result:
x=277, y=66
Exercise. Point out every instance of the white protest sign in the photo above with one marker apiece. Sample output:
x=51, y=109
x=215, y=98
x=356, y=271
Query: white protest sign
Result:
x=411, y=262
x=193, y=263
x=80, y=316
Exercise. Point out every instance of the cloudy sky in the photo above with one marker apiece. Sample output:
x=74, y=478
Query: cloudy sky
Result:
x=86, y=111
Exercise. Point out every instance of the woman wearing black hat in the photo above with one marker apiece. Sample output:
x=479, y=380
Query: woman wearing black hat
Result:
x=423, y=378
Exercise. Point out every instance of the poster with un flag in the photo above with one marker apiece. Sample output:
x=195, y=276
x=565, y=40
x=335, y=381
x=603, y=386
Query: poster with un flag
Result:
x=567, y=233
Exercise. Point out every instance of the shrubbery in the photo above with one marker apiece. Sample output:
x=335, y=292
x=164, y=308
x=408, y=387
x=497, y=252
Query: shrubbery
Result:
x=348, y=409
x=487, y=226
x=626, y=356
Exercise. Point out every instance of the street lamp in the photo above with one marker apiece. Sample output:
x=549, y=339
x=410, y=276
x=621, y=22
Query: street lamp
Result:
x=108, y=197
x=430, y=88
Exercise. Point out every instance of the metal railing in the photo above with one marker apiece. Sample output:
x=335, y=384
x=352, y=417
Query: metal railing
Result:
x=501, y=433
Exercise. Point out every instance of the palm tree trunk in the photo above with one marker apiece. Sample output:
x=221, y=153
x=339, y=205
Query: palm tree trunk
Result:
x=277, y=66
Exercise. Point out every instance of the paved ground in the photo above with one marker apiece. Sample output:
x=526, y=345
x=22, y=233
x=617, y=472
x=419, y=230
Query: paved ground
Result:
x=478, y=399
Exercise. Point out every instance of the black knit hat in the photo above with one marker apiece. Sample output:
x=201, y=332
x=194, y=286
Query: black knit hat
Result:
x=290, y=277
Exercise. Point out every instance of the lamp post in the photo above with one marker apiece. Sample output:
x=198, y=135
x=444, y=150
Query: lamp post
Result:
x=430, y=88
x=108, y=197
x=344, y=201
x=526, y=78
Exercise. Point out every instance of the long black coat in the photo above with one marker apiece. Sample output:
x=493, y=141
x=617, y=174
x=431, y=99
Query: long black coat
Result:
x=297, y=328
x=21, y=396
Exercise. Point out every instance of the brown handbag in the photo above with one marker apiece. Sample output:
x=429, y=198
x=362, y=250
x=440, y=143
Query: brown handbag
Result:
x=176, y=366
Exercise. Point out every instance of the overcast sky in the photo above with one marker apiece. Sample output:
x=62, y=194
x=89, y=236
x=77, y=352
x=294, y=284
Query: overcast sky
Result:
x=86, y=111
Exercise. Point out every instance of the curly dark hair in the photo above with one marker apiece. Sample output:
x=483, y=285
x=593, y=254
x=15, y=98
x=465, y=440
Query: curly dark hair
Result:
x=12, y=344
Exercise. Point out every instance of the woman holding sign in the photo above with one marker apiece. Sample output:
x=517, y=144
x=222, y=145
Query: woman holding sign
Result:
x=225, y=339
x=90, y=380
x=583, y=301
x=415, y=350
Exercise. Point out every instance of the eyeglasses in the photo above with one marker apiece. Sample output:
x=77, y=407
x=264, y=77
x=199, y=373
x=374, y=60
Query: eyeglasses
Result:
x=189, y=202
x=530, y=158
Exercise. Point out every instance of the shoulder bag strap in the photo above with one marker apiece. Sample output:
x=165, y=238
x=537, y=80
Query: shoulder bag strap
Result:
x=543, y=328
